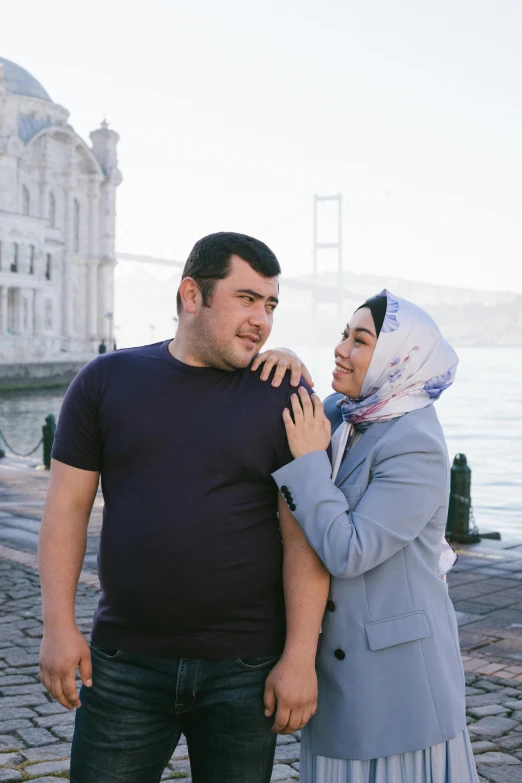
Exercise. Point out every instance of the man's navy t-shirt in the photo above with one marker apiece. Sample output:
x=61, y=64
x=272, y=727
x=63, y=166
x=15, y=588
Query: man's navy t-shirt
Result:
x=190, y=555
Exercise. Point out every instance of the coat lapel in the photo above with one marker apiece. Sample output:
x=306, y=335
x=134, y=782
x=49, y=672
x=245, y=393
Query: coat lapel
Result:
x=362, y=448
x=364, y=445
x=355, y=456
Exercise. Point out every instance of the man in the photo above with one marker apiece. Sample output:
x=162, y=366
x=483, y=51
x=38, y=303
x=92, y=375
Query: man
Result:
x=189, y=635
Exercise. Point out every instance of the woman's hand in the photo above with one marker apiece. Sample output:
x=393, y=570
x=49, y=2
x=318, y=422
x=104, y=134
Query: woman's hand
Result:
x=282, y=359
x=310, y=430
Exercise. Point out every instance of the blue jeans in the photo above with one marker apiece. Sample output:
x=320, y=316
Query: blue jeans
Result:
x=132, y=717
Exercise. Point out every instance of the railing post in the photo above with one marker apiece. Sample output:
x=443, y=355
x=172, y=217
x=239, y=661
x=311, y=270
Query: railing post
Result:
x=48, y=431
x=457, y=527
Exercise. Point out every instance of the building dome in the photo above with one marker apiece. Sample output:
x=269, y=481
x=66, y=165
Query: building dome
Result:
x=18, y=81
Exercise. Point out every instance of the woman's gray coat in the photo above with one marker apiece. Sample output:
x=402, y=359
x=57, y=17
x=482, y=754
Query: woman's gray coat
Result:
x=389, y=666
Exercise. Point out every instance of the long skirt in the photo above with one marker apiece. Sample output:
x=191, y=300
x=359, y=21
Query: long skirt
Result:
x=449, y=762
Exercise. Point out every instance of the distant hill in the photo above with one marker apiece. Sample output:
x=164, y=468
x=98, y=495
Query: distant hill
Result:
x=466, y=316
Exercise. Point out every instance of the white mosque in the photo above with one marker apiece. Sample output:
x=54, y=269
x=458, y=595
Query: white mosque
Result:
x=57, y=228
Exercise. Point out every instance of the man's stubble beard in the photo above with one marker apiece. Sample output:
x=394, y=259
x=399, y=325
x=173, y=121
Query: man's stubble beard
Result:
x=213, y=353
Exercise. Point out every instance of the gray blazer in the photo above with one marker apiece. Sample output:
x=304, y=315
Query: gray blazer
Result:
x=389, y=667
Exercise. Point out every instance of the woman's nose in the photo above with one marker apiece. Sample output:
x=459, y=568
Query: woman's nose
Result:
x=343, y=349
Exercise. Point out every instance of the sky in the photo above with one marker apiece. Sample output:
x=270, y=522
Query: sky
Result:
x=232, y=114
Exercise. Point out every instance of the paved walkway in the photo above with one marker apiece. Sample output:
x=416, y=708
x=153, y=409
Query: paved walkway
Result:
x=35, y=732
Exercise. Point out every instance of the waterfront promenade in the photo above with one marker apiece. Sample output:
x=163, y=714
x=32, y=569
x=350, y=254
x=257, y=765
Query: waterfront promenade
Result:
x=35, y=732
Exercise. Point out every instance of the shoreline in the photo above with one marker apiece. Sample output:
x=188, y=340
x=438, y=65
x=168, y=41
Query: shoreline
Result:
x=39, y=375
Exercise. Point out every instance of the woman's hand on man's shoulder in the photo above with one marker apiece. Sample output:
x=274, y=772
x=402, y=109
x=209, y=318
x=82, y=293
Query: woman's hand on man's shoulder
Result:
x=283, y=360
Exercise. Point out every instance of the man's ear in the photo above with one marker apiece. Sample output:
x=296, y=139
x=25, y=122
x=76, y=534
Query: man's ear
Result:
x=190, y=294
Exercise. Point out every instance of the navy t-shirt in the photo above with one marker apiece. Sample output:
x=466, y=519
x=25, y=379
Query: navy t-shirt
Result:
x=190, y=554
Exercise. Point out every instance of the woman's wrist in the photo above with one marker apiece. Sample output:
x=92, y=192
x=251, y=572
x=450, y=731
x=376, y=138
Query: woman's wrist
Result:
x=303, y=453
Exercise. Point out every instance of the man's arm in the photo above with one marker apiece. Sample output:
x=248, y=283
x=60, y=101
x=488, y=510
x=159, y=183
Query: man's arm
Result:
x=292, y=683
x=61, y=550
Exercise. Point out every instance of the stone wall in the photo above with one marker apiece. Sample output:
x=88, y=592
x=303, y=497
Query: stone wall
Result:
x=38, y=375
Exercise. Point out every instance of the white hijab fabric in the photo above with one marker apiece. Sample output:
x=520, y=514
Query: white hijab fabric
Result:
x=411, y=366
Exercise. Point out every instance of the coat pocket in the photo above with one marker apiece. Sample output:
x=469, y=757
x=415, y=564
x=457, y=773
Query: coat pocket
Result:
x=397, y=630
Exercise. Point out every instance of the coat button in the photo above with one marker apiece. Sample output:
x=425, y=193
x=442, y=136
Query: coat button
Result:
x=340, y=655
x=330, y=605
x=292, y=506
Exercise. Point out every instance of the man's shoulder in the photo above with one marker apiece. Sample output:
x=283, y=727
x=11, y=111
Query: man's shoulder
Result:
x=278, y=394
x=116, y=369
x=131, y=357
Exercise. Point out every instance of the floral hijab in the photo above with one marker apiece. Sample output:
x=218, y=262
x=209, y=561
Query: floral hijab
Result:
x=411, y=366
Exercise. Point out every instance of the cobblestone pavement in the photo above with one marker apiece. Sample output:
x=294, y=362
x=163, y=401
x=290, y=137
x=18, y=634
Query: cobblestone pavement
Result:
x=35, y=732
x=22, y=498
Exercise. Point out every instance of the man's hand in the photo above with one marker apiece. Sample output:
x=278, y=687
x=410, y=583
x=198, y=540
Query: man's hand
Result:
x=291, y=692
x=61, y=653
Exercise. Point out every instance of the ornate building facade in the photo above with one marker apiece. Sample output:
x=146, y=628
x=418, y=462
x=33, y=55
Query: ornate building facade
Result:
x=57, y=227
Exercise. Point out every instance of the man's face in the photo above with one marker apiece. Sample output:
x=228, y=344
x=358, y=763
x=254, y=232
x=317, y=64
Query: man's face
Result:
x=239, y=320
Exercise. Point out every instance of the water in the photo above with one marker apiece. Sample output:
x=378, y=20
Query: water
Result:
x=22, y=416
x=481, y=416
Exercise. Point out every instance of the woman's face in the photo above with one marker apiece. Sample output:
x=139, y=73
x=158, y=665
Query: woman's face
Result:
x=354, y=354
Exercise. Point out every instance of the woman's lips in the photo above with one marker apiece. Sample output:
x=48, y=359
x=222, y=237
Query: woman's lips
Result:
x=340, y=371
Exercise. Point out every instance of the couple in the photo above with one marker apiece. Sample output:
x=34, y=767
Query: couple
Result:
x=214, y=585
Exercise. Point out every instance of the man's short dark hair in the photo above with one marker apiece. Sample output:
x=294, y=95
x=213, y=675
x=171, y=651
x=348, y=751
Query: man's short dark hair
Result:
x=209, y=260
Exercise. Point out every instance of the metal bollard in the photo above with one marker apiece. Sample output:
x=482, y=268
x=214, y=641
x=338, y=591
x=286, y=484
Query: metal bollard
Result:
x=457, y=526
x=48, y=430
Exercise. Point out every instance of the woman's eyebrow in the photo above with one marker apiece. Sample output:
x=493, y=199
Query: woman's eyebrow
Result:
x=362, y=329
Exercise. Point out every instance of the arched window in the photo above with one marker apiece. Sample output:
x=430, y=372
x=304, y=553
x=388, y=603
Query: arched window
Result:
x=26, y=201
x=52, y=210
x=76, y=225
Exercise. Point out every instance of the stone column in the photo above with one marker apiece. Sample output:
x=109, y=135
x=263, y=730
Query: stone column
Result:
x=93, y=250
x=106, y=300
x=30, y=311
x=38, y=312
x=92, y=300
x=67, y=259
x=18, y=311
x=67, y=272
x=3, y=310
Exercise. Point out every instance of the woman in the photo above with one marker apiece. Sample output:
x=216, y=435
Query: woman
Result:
x=391, y=686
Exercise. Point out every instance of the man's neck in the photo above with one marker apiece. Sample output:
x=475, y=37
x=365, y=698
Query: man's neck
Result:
x=182, y=350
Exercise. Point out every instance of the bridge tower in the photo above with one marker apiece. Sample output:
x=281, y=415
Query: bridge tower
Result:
x=337, y=244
